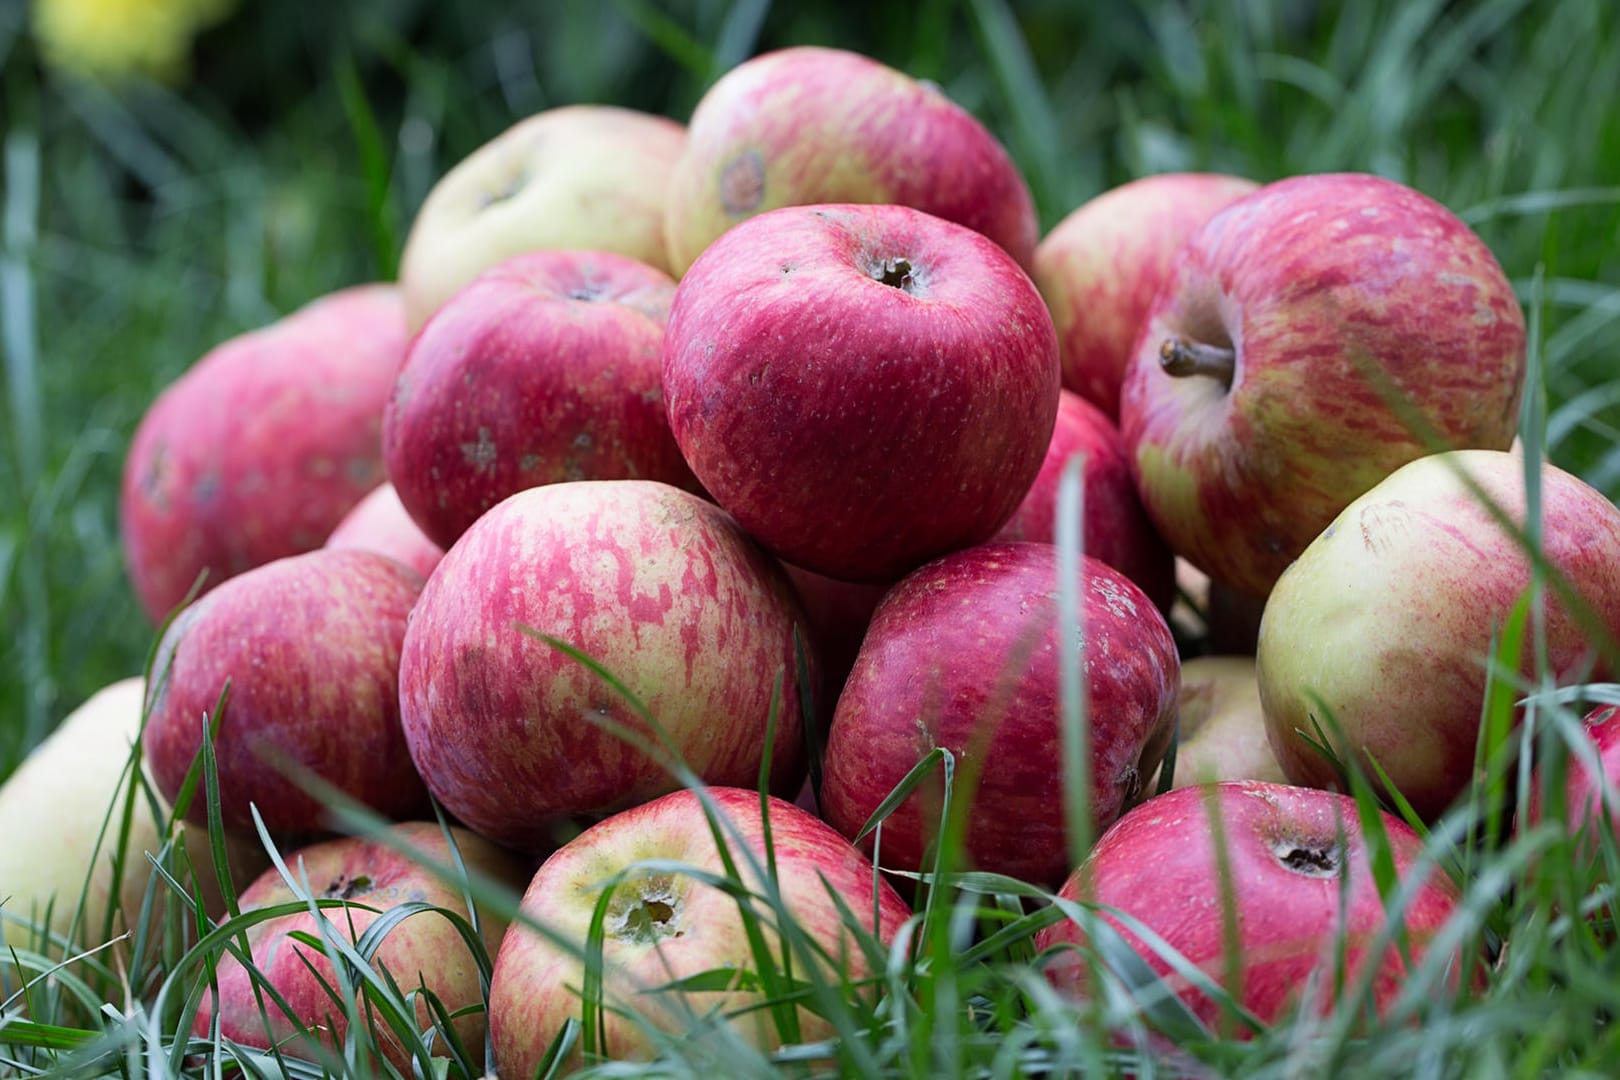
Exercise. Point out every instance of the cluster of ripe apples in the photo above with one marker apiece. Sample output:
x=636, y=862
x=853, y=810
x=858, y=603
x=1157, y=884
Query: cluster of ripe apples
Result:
x=773, y=408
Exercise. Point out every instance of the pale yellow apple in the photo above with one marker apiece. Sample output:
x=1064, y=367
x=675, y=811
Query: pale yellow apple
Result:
x=1222, y=728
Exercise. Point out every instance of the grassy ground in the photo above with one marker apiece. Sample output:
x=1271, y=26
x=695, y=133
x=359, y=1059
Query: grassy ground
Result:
x=140, y=227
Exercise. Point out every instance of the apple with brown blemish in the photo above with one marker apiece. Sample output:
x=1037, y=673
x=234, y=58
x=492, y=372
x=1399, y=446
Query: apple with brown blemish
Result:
x=590, y=177
x=816, y=125
x=380, y=523
x=659, y=587
x=546, y=368
x=260, y=448
x=1313, y=337
x=966, y=653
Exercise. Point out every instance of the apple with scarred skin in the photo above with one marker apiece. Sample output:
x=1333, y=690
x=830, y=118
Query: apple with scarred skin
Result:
x=1387, y=621
x=1301, y=887
x=545, y=368
x=380, y=523
x=411, y=862
x=1313, y=337
x=1220, y=725
x=310, y=648
x=659, y=587
x=816, y=125
x=863, y=387
x=662, y=925
x=578, y=176
x=965, y=653
x=1101, y=266
x=260, y=448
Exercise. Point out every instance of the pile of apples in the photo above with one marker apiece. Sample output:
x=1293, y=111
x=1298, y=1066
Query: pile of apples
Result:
x=773, y=409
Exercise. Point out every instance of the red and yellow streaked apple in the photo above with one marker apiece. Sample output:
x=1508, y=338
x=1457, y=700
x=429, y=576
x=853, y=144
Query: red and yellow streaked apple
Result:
x=380, y=523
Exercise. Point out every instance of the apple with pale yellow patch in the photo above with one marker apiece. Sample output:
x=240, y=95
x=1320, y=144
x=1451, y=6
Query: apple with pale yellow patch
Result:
x=1219, y=724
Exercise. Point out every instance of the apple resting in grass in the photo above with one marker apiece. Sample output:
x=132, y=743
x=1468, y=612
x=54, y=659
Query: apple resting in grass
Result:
x=310, y=646
x=1221, y=728
x=408, y=863
x=659, y=587
x=260, y=449
x=863, y=387
x=545, y=368
x=1591, y=798
x=380, y=523
x=1101, y=266
x=662, y=925
x=1312, y=338
x=1115, y=528
x=964, y=654
x=1289, y=853
x=578, y=176
x=1386, y=622
x=816, y=125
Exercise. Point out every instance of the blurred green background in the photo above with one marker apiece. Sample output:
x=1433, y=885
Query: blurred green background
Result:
x=279, y=150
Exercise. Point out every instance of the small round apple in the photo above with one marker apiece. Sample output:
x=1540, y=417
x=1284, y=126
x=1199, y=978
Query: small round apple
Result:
x=1220, y=725
x=863, y=387
x=380, y=523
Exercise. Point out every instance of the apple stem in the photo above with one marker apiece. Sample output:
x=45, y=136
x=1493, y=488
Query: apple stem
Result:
x=1180, y=357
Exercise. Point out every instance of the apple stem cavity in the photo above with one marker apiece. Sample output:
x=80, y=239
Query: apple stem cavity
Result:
x=1181, y=358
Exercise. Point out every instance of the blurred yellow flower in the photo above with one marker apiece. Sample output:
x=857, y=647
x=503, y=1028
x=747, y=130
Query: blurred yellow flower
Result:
x=112, y=39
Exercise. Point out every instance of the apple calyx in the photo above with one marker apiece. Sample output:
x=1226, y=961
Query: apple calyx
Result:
x=1310, y=860
x=1180, y=357
x=645, y=912
x=344, y=887
x=508, y=190
x=897, y=273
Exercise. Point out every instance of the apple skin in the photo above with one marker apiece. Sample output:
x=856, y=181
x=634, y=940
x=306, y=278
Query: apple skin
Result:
x=1586, y=807
x=311, y=647
x=1221, y=727
x=1158, y=864
x=811, y=125
x=1329, y=290
x=940, y=652
x=662, y=927
x=1389, y=617
x=545, y=368
x=658, y=586
x=579, y=176
x=836, y=614
x=424, y=949
x=380, y=523
x=860, y=428
x=1115, y=528
x=1101, y=266
x=260, y=448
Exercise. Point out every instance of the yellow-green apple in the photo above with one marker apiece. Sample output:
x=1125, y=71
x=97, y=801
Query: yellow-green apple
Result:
x=545, y=368
x=577, y=176
x=662, y=925
x=815, y=125
x=965, y=653
x=1385, y=623
x=1312, y=337
x=863, y=387
x=1101, y=266
x=1221, y=729
x=1303, y=899
x=380, y=523
x=1114, y=527
x=410, y=862
x=659, y=587
x=310, y=647
x=262, y=446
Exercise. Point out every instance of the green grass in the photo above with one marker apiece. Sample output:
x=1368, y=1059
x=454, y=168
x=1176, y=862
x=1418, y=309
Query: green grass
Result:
x=140, y=227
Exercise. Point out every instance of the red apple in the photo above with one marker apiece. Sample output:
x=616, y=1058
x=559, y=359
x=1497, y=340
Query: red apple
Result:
x=260, y=449
x=965, y=653
x=1100, y=268
x=663, y=925
x=1115, y=528
x=310, y=647
x=545, y=368
x=1301, y=887
x=836, y=614
x=863, y=387
x=426, y=949
x=380, y=523
x=1312, y=338
x=658, y=586
x=815, y=125
x=1590, y=799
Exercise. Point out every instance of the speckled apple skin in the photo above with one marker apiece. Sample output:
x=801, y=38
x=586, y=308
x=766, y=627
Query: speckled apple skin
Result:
x=657, y=585
x=1389, y=615
x=260, y=448
x=945, y=648
x=1115, y=528
x=546, y=368
x=859, y=429
x=1337, y=291
x=817, y=125
x=380, y=523
x=1159, y=865
x=1101, y=266
x=311, y=647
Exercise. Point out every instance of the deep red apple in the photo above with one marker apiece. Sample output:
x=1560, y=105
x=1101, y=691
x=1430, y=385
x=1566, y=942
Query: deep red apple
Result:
x=1590, y=801
x=837, y=614
x=379, y=522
